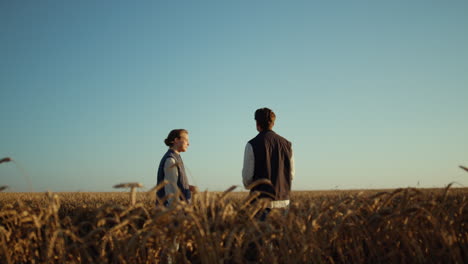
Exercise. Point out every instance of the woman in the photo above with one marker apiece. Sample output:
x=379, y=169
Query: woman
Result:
x=171, y=168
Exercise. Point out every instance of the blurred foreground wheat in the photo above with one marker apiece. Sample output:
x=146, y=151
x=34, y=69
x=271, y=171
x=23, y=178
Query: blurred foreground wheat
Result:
x=399, y=226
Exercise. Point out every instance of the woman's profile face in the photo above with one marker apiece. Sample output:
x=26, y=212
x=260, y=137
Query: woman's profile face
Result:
x=181, y=143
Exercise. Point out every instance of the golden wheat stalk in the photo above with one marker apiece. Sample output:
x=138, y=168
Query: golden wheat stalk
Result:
x=132, y=186
x=404, y=225
x=7, y=159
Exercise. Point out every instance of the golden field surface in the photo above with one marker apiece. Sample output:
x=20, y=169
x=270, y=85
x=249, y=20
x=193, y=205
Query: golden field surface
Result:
x=372, y=226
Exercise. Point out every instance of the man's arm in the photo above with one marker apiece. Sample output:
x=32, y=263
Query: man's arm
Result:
x=293, y=169
x=249, y=163
x=171, y=175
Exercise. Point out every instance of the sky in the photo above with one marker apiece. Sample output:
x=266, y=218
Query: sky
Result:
x=372, y=94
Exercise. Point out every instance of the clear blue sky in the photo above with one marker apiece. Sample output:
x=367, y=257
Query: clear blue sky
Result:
x=372, y=94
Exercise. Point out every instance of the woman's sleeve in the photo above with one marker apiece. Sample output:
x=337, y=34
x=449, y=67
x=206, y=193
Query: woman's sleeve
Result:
x=171, y=175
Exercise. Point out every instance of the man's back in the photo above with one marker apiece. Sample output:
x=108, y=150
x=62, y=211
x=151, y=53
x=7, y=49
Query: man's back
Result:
x=272, y=155
x=268, y=162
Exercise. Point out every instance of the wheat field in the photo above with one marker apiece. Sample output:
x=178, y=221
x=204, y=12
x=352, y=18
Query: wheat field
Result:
x=387, y=226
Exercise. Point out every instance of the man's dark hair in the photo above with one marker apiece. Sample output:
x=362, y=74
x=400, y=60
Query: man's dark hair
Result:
x=265, y=118
x=175, y=133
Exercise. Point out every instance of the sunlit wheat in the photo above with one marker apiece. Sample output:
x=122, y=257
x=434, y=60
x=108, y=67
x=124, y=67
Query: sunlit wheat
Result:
x=132, y=186
x=397, y=226
x=7, y=159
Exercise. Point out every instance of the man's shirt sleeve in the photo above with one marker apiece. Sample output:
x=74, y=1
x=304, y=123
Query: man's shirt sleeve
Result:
x=249, y=163
x=293, y=169
x=170, y=175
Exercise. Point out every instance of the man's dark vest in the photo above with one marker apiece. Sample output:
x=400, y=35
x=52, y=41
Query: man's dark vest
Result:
x=272, y=155
x=182, y=181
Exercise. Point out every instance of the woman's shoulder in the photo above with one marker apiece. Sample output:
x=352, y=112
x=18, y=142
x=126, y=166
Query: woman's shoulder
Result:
x=170, y=162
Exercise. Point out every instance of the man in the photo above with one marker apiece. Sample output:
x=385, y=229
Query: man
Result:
x=268, y=162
